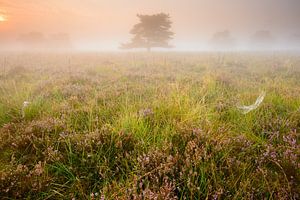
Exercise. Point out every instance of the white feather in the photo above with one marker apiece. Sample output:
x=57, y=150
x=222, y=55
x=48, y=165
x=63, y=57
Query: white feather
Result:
x=247, y=109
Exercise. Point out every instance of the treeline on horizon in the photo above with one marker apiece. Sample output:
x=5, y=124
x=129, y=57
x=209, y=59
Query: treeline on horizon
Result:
x=155, y=31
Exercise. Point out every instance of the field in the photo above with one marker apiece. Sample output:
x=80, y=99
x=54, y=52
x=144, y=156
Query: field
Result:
x=149, y=126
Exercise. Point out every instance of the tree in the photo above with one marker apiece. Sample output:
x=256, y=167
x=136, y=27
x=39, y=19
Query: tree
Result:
x=262, y=39
x=60, y=41
x=152, y=31
x=294, y=41
x=35, y=40
x=222, y=40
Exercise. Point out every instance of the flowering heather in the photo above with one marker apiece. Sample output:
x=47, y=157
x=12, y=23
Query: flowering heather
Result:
x=159, y=126
x=146, y=112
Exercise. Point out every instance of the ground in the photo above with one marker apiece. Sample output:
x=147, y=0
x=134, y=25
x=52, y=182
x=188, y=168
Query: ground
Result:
x=149, y=126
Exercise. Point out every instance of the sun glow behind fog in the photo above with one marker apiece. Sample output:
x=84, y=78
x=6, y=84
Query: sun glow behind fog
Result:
x=104, y=25
x=2, y=18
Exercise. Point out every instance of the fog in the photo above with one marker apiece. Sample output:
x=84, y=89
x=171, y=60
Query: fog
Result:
x=199, y=25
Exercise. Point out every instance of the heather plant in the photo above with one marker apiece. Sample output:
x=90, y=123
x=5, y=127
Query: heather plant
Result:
x=150, y=126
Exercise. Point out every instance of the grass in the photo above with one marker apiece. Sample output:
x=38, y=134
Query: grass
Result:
x=149, y=126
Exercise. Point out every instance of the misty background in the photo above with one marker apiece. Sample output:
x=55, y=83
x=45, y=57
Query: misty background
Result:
x=198, y=25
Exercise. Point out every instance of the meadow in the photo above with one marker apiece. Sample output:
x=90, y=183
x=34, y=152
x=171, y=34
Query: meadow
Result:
x=149, y=126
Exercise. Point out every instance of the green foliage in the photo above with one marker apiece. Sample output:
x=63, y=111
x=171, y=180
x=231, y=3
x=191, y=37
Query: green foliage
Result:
x=152, y=31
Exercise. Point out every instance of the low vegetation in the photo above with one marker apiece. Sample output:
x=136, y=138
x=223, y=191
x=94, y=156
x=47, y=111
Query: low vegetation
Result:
x=149, y=126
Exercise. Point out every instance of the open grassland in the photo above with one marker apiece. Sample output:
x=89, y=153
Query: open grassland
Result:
x=149, y=126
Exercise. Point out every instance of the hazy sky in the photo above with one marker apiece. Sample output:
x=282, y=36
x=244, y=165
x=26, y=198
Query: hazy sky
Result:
x=104, y=24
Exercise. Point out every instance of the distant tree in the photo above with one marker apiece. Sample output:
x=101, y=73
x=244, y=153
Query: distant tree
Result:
x=32, y=37
x=222, y=40
x=296, y=36
x=152, y=31
x=38, y=41
x=60, y=41
x=262, y=39
x=294, y=40
x=32, y=40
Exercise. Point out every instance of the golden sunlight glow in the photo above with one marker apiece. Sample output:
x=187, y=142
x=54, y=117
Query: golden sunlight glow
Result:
x=2, y=18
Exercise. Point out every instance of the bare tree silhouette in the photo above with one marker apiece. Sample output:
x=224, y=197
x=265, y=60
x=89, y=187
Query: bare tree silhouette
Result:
x=152, y=31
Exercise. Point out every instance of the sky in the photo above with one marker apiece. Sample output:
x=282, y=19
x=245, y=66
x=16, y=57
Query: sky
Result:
x=104, y=24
